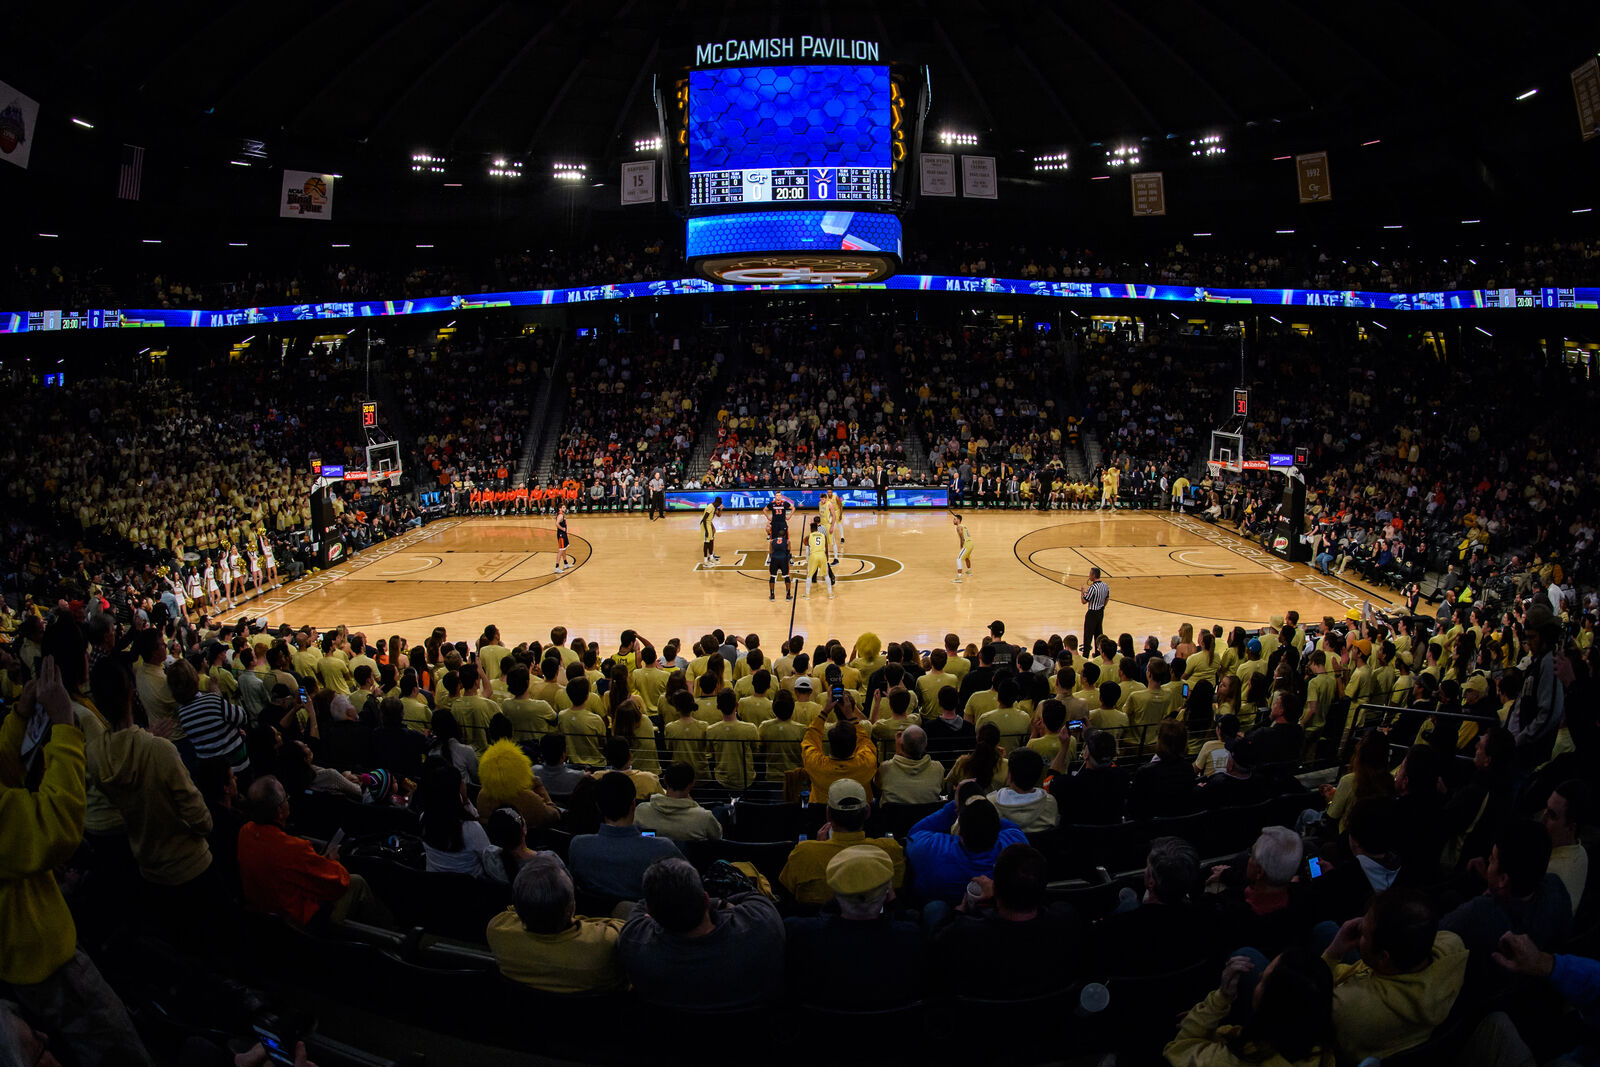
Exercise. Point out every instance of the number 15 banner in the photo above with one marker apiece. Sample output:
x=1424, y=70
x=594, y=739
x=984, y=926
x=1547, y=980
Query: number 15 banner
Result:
x=639, y=182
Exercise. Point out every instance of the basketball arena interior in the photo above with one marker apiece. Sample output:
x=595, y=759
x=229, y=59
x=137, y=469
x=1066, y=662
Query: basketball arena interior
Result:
x=552, y=532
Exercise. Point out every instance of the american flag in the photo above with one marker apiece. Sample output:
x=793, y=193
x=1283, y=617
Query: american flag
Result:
x=130, y=173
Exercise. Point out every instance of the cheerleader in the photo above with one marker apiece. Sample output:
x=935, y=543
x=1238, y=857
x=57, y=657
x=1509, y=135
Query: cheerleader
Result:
x=236, y=569
x=268, y=560
x=255, y=568
x=213, y=594
x=193, y=590
x=225, y=576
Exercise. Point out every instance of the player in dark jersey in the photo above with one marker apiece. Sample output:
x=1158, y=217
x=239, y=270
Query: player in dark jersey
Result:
x=778, y=557
x=562, y=563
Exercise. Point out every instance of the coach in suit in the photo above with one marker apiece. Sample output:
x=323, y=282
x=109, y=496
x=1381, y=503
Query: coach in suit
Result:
x=880, y=484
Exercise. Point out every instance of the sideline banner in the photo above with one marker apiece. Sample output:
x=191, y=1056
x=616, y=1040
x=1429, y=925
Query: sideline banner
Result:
x=911, y=496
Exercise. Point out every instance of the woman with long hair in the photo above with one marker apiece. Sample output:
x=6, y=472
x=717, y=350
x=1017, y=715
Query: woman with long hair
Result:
x=1230, y=657
x=1369, y=776
x=452, y=838
x=1198, y=709
x=1201, y=665
x=420, y=663
x=448, y=747
x=628, y=721
x=1186, y=645
x=986, y=764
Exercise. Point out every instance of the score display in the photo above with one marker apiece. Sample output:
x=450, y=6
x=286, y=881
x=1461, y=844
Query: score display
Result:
x=713, y=188
x=795, y=134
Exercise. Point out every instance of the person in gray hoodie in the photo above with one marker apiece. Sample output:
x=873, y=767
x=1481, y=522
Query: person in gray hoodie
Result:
x=912, y=776
x=1021, y=800
x=676, y=814
x=166, y=816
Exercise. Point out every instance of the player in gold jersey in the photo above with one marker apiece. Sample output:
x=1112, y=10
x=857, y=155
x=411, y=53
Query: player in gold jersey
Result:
x=964, y=552
x=817, y=558
x=708, y=530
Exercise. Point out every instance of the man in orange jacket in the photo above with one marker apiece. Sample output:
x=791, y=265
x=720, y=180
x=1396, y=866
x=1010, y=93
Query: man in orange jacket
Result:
x=284, y=875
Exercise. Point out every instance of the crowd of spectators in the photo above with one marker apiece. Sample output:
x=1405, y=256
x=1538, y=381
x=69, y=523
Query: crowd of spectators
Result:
x=99, y=285
x=1440, y=878
x=1210, y=262
x=466, y=401
x=808, y=410
x=635, y=405
x=1381, y=267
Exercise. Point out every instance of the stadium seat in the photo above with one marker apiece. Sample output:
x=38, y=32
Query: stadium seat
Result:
x=768, y=857
x=761, y=821
x=898, y=819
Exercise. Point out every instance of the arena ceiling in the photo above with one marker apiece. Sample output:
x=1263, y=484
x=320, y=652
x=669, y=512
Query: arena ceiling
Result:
x=359, y=86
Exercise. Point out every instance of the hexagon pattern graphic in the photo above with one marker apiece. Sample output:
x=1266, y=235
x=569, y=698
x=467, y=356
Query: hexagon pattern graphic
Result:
x=756, y=117
x=793, y=231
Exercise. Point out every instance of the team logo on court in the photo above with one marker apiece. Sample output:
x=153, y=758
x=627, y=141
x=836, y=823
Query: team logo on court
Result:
x=752, y=563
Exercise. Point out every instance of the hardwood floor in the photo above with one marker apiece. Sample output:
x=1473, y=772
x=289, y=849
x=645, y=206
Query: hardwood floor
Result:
x=894, y=579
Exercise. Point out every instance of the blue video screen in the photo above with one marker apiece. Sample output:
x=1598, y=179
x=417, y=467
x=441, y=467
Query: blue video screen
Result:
x=805, y=499
x=794, y=231
x=797, y=134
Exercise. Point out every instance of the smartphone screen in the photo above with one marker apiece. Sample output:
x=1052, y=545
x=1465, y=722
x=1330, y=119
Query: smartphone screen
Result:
x=647, y=833
x=1185, y=688
x=1316, y=867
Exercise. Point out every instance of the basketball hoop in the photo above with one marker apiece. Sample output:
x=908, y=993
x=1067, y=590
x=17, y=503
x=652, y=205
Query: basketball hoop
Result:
x=1214, y=469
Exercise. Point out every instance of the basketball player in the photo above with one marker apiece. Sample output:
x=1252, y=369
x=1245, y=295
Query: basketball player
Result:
x=708, y=530
x=1108, y=488
x=836, y=503
x=778, y=556
x=817, y=558
x=964, y=551
x=561, y=539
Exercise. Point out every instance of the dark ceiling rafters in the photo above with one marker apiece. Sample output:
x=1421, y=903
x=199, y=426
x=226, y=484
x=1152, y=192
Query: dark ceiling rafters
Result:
x=1154, y=126
x=445, y=56
x=578, y=67
x=1144, y=27
x=274, y=57
x=375, y=48
x=1262, y=56
x=960, y=65
x=511, y=65
x=1074, y=131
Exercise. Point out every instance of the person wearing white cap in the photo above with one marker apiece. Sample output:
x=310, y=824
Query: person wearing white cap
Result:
x=805, y=873
x=861, y=881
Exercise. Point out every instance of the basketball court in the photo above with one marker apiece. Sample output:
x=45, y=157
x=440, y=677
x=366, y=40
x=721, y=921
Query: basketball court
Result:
x=894, y=579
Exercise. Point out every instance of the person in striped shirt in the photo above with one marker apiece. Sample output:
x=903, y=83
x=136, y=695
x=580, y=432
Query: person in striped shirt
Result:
x=213, y=724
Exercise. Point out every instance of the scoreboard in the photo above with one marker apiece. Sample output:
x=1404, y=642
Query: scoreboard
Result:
x=710, y=188
x=793, y=133
x=792, y=173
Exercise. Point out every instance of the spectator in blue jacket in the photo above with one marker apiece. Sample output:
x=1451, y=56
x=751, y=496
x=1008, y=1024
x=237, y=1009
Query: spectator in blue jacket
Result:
x=1496, y=1043
x=947, y=853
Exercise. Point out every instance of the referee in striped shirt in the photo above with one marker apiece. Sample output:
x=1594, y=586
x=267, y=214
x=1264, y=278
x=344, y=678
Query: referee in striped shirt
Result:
x=1095, y=595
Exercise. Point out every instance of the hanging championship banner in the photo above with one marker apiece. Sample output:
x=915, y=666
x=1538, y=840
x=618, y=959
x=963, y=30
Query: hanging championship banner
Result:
x=1312, y=171
x=1585, y=90
x=978, y=178
x=18, y=116
x=938, y=174
x=306, y=195
x=1149, y=193
x=639, y=182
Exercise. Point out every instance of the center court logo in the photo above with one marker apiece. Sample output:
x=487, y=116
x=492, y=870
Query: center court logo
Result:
x=752, y=563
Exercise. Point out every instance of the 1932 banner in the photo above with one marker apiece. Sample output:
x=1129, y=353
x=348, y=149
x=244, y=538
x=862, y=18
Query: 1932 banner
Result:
x=1311, y=170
